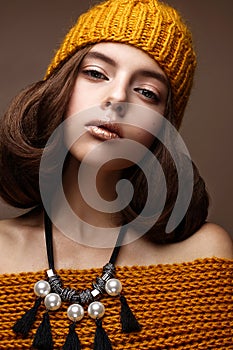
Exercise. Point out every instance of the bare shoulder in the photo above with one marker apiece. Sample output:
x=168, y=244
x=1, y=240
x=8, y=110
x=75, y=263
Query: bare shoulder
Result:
x=7, y=230
x=213, y=241
x=9, y=227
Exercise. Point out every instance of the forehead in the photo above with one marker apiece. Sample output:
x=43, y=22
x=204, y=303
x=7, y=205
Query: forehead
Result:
x=120, y=54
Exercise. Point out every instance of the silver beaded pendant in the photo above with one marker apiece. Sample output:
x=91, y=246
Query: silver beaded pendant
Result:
x=53, y=294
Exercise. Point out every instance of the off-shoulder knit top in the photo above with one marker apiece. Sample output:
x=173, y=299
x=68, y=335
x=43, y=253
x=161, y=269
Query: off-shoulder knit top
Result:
x=179, y=306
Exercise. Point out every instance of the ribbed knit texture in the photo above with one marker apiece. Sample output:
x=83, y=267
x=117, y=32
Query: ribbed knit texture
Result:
x=149, y=25
x=180, y=306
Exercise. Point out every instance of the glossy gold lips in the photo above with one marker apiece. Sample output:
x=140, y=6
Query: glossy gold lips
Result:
x=106, y=131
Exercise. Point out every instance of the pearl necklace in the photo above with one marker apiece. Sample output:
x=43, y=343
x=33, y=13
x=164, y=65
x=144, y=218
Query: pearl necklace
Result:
x=105, y=283
x=53, y=293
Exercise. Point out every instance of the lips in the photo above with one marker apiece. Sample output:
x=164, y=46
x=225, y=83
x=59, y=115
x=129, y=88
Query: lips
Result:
x=103, y=130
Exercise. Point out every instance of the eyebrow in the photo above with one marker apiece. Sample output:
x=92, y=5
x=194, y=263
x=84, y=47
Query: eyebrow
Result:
x=101, y=56
x=144, y=72
x=153, y=74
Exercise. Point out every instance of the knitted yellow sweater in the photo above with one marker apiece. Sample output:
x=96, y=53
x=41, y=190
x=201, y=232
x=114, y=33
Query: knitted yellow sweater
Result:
x=180, y=306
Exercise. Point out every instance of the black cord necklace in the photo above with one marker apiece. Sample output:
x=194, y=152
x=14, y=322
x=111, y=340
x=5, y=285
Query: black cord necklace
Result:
x=53, y=293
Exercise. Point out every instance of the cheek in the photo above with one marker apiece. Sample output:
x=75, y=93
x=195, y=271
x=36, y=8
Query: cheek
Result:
x=142, y=125
x=144, y=133
x=84, y=97
x=145, y=138
x=75, y=104
x=79, y=100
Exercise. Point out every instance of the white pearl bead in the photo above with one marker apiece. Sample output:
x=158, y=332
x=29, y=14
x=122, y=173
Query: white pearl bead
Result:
x=75, y=312
x=113, y=287
x=42, y=288
x=52, y=301
x=96, y=310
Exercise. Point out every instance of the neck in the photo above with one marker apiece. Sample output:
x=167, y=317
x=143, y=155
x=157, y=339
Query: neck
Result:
x=91, y=196
x=76, y=217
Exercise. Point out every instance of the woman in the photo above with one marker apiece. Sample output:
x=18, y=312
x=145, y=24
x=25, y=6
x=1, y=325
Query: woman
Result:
x=121, y=67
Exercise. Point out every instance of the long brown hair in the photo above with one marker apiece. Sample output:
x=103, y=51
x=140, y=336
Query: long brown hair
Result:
x=31, y=119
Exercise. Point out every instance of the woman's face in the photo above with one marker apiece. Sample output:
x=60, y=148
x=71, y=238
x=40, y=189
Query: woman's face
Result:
x=117, y=78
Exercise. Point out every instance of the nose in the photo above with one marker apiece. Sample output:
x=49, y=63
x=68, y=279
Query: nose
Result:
x=116, y=100
x=119, y=108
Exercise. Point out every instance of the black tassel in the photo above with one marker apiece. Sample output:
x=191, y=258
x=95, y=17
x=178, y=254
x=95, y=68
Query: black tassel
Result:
x=102, y=341
x=128, y=320
x=72, y=340
x=43, y=338
x=25, y=323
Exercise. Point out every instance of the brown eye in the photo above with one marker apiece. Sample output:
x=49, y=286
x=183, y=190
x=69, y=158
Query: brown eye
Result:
x=148, y=94
x=95, y=74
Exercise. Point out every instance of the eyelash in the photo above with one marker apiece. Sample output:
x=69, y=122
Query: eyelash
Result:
x=145, y=92
x=95, y=74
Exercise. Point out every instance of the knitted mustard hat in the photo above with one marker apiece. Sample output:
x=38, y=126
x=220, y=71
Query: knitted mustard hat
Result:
x=150, y=25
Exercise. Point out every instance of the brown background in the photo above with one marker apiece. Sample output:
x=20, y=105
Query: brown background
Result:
x=30, y=30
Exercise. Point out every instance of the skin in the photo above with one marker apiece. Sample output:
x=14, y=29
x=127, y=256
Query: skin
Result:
x=111, y=73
